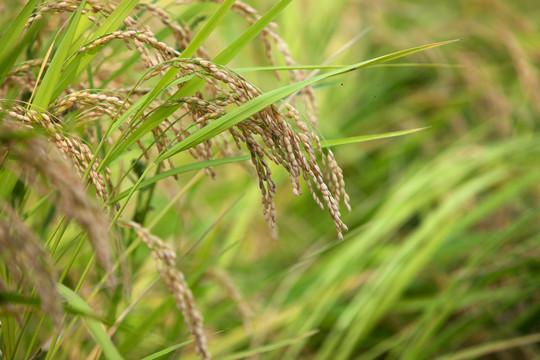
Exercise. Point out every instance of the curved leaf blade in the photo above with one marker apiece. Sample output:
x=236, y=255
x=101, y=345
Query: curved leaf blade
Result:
x=94, y=326
x=362, y=138
x=7, y=42
x=257, y=104
x=177, y=171
x=192, y=86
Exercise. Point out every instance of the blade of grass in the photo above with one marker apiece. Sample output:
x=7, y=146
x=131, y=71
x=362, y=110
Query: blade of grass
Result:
x=242, y=112
x=80, y=61
x=267, y=348
x=333, y=67
x=179, y=170
x=493, y=347
x=437, y=311
x=424, y=185
x=166, y=351
x=14, y=298
x=399, y=269
x=191, y=87
x=217, y=162
x=362, y=138
x=94, y=326
x=169, y=76
x=7, y=42
x=234, y=49
x=422, y=342
x=44, y=90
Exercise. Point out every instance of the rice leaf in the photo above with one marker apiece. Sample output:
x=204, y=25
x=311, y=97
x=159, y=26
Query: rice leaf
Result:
x=167, y=350
x=80, y=61
x=267, y=348
x=169, y=76
x=217, y=162
x=232, y=50
x=493, y=347
x=362, y=138
x=94, y=326
x=179, y=170
x=244, y=111
x=333, y=67
x=7, y=42
x=191, y=87
x=44, y=90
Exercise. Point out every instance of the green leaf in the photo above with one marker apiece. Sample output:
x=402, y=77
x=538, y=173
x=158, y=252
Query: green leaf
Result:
x=217, y=162
x=167, y=350
x=80, y=61
x=7, y=298
x=190, y=87
x=332, y=67
x=169, y=76
x=207, y=29
x=234, y=49
x=267, y=348
x=45, y=89
x=7, y=42
x=492, y=347
x=94, y=326
x=177, y=171
x=362, y=138
x=244, y=111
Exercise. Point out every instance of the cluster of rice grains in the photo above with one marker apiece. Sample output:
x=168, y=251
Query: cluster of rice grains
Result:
x=75, y=120
x=42, y=169
x=267, y=135
x=165, y=259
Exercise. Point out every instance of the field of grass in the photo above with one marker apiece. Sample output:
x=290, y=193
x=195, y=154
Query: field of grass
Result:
x=132, y=226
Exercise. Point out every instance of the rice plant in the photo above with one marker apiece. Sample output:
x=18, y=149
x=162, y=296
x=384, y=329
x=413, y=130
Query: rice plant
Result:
x=132, y=141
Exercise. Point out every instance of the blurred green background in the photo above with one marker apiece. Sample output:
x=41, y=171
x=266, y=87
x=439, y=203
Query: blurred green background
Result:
x=442, y=256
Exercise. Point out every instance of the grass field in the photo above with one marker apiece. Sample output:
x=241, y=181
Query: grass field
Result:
x=151, y=157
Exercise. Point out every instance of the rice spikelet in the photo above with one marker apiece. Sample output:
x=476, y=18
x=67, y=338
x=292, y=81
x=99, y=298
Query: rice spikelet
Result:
x=36, y=158
x=165, y=259
x=23, y=255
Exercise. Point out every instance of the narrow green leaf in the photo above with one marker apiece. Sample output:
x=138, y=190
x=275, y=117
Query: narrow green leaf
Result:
x=357, y=139
x=397, y=271
x=189, y=88
x=45, y=89
x=169, y=76
x=29, y=37
x=217, y=162
x=7, y=42
x=80, y=61
x=267, y=348
x=244, y=111
x=138, y=107
x=7, y=298
x=332, y=67
x=94, y=326
x=243, y=40
x=207, y=29
x=493, y=347
x=180, y=170
x=166, y=351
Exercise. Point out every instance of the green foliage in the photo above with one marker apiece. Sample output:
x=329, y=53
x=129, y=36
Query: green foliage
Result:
x=93, y=326
x=441, y=257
